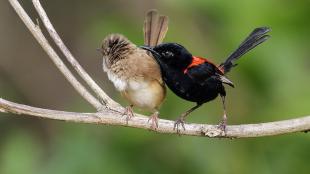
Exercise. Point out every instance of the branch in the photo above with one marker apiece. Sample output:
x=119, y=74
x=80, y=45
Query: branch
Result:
x=110, y=113
x=38, y=35
x=91, y=83
x=165, y=126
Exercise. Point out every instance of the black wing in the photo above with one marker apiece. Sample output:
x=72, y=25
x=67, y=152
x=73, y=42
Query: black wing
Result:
x=203, y=72
x=207, y=72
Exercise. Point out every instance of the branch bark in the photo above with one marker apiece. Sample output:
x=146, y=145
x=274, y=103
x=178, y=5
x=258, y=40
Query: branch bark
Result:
x=165, y=126
x=110, y=112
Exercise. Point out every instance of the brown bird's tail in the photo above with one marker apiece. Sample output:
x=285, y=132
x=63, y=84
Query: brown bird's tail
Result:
x=155, y=28
x=255, y=38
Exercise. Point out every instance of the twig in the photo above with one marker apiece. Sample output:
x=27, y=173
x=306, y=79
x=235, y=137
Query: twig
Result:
x=92, y=84
x=165, y=126
x=36, y=32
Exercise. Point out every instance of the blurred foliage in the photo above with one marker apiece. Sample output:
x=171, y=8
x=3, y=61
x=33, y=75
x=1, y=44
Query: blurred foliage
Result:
x=272, y=83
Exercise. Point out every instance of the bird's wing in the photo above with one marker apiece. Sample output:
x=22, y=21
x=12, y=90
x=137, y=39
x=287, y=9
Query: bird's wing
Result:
x=207, y=72
x=143, y=66
x=155, y=28
x=201, y=73
x=202, y=70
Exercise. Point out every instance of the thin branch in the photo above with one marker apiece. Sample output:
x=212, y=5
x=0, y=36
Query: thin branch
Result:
x=165, y=126
x=79, y=69
x=36, y=32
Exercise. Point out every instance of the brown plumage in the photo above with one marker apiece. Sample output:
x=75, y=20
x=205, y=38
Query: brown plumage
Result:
x=155, y=28
x=133, y=71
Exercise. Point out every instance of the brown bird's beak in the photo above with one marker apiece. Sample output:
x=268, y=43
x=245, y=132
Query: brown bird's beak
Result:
x=154, y=53
x=99, y=50
x=225, y=80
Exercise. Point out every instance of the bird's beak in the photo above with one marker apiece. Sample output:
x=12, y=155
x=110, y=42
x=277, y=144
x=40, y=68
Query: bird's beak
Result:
x=227, y=81
x=154, y=53
x=99, y=49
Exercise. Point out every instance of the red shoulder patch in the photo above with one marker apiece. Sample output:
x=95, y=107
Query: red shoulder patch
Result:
x=196, y=61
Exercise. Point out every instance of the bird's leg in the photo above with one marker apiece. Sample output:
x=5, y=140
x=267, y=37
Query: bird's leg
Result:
x=181, y=119
x=154, y=119
x=222, y=125
x=128, y=113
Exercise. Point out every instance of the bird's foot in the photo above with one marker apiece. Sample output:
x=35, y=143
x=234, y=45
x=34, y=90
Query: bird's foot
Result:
x=154, y=121
x=223, y=124
x=128, y=113
x=177, y=123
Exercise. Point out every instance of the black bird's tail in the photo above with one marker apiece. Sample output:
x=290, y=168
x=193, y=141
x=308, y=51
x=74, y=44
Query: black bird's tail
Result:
x=257, y=37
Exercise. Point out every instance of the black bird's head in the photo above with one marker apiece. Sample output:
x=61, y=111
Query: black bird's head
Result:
x=171, y=54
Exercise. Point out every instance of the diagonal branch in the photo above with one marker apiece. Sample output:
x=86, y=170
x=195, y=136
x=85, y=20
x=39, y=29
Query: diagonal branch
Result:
x=36, y=32
x=165, y=126
x=79, y=69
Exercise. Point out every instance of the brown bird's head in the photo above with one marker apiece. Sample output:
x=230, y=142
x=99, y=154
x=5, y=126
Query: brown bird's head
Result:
x=116, y=47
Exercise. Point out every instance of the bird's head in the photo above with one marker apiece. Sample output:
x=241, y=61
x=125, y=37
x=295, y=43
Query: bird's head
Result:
x=171, y=54
x=115, y=47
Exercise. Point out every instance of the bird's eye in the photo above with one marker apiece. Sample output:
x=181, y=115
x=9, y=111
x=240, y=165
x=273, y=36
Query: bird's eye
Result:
x=168, y=54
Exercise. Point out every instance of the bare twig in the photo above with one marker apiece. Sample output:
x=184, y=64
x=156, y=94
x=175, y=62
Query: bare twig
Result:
x=109, y=116
x=92, y=84
x=36, y=32
x=165, y=126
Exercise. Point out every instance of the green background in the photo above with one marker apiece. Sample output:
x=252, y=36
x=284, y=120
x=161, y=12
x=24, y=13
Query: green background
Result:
x=272, y=83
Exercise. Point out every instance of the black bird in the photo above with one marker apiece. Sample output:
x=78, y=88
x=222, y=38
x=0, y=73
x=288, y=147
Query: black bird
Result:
x=197, y=79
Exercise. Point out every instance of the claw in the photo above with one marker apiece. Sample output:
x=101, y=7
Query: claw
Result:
x=154, y=119
x=128, y=113
x=177, y=124
x=223, y=124
x=181, y=119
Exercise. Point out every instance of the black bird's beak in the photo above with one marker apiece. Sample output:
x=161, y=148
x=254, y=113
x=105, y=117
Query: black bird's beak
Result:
x=154, y=53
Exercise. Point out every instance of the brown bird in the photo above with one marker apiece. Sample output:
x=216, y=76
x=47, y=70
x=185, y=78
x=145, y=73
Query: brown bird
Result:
x=133, y=71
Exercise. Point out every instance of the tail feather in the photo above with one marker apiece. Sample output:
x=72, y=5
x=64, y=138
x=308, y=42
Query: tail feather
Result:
x=256, y=37
x=155, y=28
x=162, y=29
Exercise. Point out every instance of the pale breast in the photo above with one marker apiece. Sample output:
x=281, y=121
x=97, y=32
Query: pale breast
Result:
x=119, y=82
x=145, y=94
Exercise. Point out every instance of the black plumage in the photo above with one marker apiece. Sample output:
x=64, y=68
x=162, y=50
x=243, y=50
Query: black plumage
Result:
x=197, y=79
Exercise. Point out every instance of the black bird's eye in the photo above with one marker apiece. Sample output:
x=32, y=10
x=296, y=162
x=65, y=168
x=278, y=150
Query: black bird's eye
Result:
x=168, y=54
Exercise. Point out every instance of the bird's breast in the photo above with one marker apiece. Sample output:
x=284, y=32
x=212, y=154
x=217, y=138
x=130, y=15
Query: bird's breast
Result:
x=145, y=94
x=118, y=81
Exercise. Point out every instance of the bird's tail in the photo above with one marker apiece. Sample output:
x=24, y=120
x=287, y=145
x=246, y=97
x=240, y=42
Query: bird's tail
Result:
x=155, y=28
x=257, y=37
